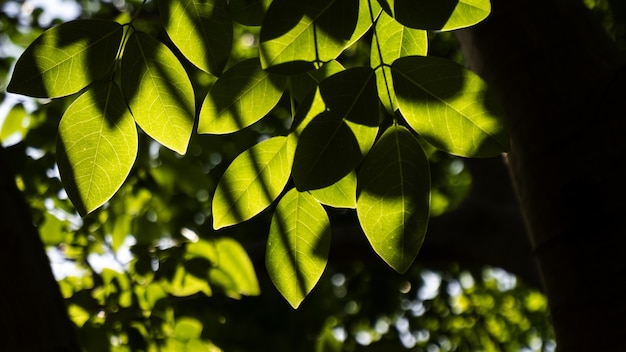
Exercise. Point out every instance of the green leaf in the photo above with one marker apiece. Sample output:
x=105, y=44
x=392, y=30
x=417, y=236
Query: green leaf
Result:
x=444, y=15
x=233, y=270
x=241, y=97
x=158, y=91
x=253, y=181
x=311, y=106
x=393, y=41
x=394, y=197
x=297, y=246
x=67, y=58
x=301, y=35
x=341, y=194
x=450, y=106
x=201, y=29
x=97, y=146
x=15, y=125
x=336, y=140
x=304, y=83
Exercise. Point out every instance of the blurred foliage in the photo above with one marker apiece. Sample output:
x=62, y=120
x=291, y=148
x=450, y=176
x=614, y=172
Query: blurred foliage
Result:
x=148, y=273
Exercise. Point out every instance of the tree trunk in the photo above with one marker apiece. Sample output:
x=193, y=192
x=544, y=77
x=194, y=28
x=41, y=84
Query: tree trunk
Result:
x=562, y=85
x=33, y=316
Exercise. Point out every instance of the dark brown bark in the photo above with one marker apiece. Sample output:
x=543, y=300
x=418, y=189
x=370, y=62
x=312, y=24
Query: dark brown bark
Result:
x=33, y=316
x=562, y=85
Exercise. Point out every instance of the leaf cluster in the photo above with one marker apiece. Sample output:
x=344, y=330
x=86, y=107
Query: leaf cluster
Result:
x=359, y=136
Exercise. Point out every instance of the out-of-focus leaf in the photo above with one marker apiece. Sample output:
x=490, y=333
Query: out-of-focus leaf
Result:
x=233, y=270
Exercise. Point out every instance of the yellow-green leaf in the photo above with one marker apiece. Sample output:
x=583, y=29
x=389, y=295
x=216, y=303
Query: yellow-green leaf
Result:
x=392, y=41
x=239, y=98
x=253, y=181
x=97, y=146
x=233, y=270
x=335, y=141
x=298, y=35
x=158, y=91
x=444, y=15
x=341, y=194
x=298, y=245
x=201, y=29
x=67, y=58
x=394, y=197
x=450, y=106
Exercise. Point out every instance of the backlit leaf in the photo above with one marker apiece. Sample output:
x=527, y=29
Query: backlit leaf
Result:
x=67, y=58
x=241, y=96
x=158, y=90
x=450, y=106
x=301, y=35
x=298, y=245
x=97, y=146
x=201, y=29
x=233, y=270
x=392, y=41
x=442, y=15
x=253, y=181
x=335, y=141
x=394, y=197
x=341, y=194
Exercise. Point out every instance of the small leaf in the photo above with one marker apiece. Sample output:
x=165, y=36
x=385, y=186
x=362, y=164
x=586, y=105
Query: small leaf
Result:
x=97, y=146
x=253, y=181
x=444, y=15
x=67, y=58
x=341, y=194
x=201, y=29
x=297, y=246
x=242, y=96
x=158, y=91
x=394, y=197
x=450, y=106
x=301, y=35
x=336, y=140
x=393, y=41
